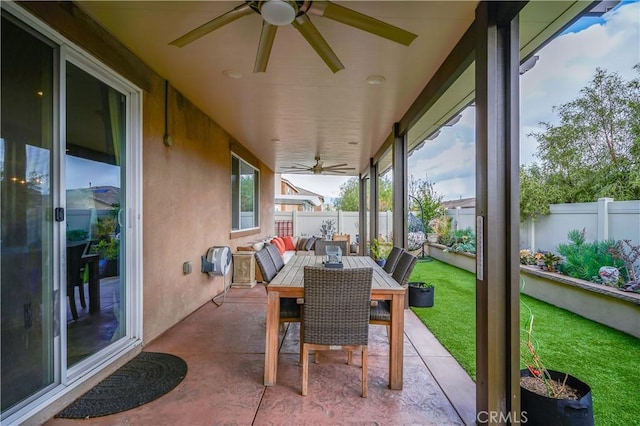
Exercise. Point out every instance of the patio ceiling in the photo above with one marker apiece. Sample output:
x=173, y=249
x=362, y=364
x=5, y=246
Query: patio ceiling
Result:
x=298, y=108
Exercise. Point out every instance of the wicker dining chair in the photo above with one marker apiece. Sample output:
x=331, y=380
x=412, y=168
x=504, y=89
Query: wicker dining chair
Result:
x=381, y=312
x=74, y=277
x=321, y=245
x=336, y=314
x=290, y=310
x=392, y=260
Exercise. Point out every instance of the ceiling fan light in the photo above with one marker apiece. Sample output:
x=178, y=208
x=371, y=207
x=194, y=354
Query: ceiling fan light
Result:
x=375, y=79
x=278, y=12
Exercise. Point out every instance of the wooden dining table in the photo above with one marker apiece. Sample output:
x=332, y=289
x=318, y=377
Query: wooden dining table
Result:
x=289, y=283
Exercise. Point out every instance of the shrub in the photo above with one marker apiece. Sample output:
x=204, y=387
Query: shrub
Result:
x=583, y=260
x=441, y=226
x=527, y=257
x=462, y=240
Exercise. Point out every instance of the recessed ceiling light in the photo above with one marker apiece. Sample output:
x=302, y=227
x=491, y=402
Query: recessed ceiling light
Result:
x=375, y=79
x=353, y=143
x=232, y=74
x=275, y=140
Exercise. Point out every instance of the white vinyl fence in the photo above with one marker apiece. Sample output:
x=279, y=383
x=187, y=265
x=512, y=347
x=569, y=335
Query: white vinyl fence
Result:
x=309, y=223
x=601, y=220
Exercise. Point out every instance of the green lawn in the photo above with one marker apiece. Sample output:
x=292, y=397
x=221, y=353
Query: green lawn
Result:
x=604, y=358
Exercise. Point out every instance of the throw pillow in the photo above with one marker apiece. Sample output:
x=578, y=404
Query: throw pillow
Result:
x=302, y=243
x=310, y=243
x=279, y=244
x=288, y=243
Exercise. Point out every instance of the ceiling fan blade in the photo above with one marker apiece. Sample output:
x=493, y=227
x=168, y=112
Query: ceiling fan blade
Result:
x=332, y=172
x=214, y=24
x=363, y=22
x=264, y=48
x=319, y=44
x=336, y=165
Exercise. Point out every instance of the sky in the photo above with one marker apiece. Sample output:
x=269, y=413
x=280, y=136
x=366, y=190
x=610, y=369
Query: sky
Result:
x=565, y=65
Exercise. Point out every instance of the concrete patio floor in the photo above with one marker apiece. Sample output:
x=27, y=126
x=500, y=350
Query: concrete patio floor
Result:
x=224, y=349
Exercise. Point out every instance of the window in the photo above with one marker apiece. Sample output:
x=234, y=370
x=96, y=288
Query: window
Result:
x=245, y=185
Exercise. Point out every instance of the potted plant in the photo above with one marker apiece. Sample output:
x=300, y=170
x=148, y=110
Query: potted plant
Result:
x=421, y=294
x=378, y=251
x=550, y=397
x=108, y=250
x=107, y=245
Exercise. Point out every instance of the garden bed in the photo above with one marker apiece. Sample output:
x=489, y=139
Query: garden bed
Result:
x=606, y=305
x=466, y=261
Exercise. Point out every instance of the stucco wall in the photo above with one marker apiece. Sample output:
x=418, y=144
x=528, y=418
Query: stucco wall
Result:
x=187, y=207
x=186, y=187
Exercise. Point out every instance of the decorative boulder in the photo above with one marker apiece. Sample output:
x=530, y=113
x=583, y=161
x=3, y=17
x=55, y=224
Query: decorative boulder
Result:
x=609, y=275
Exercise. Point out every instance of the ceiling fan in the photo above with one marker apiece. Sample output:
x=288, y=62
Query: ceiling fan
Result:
x=319, y=169
x=284, y=12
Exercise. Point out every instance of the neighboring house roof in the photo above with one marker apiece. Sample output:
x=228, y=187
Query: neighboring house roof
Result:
x=301, y=191
x=462, y=203
x=298, y=199
x=96, y=197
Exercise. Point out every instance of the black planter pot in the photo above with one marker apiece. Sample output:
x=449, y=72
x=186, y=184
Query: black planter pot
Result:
x=420, y=297
x=542, y=410
x=109, y=268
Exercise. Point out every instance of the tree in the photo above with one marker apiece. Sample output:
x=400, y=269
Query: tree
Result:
x=385, y=195
x=593, y=152
x=348, y=200
x=422, y=193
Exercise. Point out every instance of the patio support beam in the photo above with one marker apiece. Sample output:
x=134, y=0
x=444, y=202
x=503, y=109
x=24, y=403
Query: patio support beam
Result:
x=362, y=216
x=374, y=217
x=399, y=164
x=497, y=210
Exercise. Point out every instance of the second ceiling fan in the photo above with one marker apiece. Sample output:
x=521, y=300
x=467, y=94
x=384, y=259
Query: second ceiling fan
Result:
x=319, y=168
x=284, y=12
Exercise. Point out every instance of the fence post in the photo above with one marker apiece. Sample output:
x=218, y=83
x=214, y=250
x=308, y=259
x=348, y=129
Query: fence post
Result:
x=532, y=234
x=340, y=222
x=457, y=227
x=294, y=219
x=603, y=218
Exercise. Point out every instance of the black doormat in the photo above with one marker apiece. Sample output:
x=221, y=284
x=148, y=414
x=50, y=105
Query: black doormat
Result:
x=146, y=377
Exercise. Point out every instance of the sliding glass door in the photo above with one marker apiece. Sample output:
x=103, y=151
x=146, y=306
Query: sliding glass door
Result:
x=66, y=139
x=26, y=248
x=94, y=135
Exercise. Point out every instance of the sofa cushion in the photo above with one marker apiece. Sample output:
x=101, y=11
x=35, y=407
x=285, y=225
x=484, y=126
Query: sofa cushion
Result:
x=288, y=243
x=276, y=256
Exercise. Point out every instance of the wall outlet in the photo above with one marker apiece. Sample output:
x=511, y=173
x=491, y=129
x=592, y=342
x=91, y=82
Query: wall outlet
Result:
x=186, y=268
